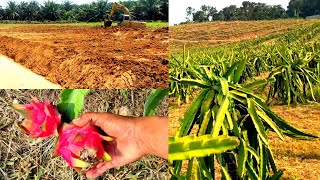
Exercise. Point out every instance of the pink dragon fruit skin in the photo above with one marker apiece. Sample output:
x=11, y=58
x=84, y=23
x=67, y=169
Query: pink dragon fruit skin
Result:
x=41, y=118
x=74, y=140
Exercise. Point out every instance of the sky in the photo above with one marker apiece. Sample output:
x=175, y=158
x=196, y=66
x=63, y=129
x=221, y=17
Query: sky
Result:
x=177, y=8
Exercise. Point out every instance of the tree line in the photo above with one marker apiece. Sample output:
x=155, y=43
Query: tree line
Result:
x=254, y=11
x=90, y=12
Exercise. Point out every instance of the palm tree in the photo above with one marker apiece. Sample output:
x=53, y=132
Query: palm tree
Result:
x=101, y=9
x=152, y=8
x=1, y=13
x=164, y=8
x=51, y=11
x=67, y=5
x=13, y=10
x=33, y=10
x=22, y=10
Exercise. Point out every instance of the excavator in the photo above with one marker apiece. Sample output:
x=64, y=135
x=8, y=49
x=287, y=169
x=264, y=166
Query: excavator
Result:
x=125, y=18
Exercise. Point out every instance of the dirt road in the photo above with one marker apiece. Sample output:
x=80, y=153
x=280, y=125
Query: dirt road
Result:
x=91, y=57
x=15, y=76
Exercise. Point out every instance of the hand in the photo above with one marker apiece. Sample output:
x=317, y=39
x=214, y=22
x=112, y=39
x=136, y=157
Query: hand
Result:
x=133, y=138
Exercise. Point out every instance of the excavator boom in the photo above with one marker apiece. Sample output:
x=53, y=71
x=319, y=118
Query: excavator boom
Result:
x=117, y=6
x=125, y=21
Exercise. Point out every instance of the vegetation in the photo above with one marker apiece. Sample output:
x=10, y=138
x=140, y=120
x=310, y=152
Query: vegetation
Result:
x=93, y=12
x=254, y=11
x=230, y=102
x=303, y=8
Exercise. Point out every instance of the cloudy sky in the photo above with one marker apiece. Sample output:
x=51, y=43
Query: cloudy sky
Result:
x=177, y=8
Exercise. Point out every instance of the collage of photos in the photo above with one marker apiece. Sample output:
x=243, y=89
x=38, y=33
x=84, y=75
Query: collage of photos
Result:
x=159, y=89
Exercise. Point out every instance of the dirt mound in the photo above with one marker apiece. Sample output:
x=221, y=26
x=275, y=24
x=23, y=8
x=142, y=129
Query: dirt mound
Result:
x=91, y=57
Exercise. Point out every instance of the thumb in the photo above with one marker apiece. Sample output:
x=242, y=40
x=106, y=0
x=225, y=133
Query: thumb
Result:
x=80, y=122
x=88, y=118
x=112, y=124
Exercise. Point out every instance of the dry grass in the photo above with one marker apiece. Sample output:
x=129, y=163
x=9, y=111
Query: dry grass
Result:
x=218, y=33
x=299, y=158
x=24, y=158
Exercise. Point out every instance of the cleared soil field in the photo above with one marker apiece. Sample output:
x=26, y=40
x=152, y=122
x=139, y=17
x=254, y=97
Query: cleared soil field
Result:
x=90, y=57
x=218, y=33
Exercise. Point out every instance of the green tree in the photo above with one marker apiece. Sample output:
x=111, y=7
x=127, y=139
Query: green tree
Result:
x=96, y=11
x=277, y=12
x=310, y=7
x=230, y=13
x=67, y=5
x=1, y=13
x=190, y=12
x=22, y=10
x=51, y=11
x=29, y=10
x=152, y=9
x=200, y=16
x=12, y=10
x=87, y=13
x=294, y=8
x=212, y=12
x=101, y=9
x=164, y=10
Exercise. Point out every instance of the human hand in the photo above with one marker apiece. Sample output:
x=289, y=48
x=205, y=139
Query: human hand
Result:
x=133, y=138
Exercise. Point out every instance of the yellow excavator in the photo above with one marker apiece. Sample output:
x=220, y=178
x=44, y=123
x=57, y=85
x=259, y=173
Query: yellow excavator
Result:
x=125, y=18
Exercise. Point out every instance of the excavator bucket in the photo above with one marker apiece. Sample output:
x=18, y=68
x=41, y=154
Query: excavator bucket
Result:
x=107, y=23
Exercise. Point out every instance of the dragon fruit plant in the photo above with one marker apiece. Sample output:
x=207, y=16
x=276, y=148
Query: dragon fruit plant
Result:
x=79, y=146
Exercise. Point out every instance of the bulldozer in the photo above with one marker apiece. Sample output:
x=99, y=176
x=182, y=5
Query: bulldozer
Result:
x=125, y=18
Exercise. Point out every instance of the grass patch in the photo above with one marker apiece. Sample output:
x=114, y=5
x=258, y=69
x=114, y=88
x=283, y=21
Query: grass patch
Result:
x=157, y=25
x=154, y=25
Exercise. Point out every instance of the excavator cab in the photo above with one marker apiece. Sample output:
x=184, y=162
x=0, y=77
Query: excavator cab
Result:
x=122, y=19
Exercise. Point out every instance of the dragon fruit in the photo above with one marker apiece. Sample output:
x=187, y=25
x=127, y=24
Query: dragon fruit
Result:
x=81, y=146
x=41, y=118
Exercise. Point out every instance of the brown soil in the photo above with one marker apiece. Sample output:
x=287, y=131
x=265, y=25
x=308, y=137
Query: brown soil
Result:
x=91, y=57
x=217, y=33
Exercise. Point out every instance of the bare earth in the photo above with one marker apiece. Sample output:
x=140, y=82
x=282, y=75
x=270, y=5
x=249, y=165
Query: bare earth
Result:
x=217, y=33
x=90, y=57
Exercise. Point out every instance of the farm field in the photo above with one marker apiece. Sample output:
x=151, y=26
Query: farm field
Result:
x=263, y=91
x=89, y=56
x=300, y=159
x=210, y=34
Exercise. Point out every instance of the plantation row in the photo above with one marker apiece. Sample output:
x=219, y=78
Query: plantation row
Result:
x=234, y=86
x=296, y=48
